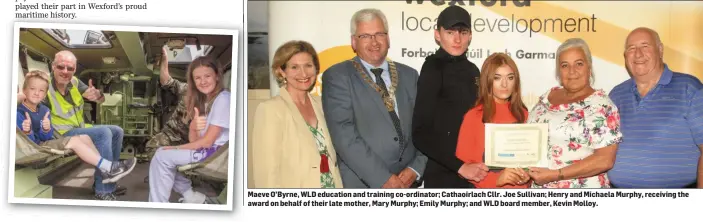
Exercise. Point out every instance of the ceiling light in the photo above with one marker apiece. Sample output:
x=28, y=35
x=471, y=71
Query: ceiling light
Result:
x=109, y=60
x=176, y=43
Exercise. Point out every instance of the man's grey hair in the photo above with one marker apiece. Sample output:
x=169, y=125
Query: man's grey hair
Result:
x=575, y=43
x=65, y=54
x=659, y=45
x=651, y=32
x=366, y=15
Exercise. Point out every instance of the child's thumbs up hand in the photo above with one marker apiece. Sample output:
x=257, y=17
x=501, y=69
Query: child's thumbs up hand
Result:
x=46, y=123
x=27, y=123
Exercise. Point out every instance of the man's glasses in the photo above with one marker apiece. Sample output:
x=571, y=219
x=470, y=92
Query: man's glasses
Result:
x=67, y=68
x=367, y=37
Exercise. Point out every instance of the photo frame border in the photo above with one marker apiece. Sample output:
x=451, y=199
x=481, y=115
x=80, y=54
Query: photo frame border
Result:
x=234, y=84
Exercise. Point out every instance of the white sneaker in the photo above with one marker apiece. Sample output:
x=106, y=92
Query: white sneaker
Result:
x=196, y=198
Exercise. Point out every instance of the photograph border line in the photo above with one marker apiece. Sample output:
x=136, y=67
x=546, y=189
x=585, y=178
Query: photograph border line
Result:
x=132, y=204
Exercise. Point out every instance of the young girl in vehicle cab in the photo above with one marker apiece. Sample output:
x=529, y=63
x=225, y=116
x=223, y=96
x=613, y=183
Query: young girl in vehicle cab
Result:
x=34, y=120
x=208, y=105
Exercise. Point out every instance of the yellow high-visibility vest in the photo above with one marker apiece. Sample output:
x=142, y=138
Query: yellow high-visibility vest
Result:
x=64, y=115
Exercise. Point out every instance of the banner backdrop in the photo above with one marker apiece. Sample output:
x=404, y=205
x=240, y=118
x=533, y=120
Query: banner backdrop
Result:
x=530, y=31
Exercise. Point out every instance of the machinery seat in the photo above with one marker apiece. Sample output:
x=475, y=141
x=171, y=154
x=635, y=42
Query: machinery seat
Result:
x=212, y=171
x=30, y=154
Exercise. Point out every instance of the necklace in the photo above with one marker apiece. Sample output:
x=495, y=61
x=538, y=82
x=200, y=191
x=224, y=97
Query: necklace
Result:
x=387, y=97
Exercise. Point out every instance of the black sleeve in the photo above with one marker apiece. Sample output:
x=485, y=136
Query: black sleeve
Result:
x=82, y=87
x=429, y=86
x=477, y=74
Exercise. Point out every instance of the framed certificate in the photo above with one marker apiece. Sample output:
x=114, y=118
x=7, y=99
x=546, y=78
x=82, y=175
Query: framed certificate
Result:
x=516, y=145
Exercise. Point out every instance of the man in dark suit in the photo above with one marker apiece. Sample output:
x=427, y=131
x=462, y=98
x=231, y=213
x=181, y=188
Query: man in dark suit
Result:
x=368, y=103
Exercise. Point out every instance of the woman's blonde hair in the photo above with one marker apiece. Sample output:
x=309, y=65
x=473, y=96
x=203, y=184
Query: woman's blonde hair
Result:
x=194, y=98
x=286, y=52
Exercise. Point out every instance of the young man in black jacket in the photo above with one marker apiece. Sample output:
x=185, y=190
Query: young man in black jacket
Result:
x=446, y=89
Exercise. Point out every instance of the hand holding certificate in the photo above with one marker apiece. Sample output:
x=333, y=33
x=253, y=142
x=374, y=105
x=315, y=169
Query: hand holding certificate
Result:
x=516, y=145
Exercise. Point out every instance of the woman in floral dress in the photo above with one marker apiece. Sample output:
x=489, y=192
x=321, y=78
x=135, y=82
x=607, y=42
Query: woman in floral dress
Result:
x=584, y=125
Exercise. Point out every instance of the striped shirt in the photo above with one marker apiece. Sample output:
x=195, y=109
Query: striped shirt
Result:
x=661, y=133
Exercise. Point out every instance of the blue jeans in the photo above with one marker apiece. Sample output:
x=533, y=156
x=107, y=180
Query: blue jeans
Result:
x=108, y=141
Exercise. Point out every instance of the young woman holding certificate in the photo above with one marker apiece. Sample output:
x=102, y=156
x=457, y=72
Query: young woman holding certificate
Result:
x=499, y=101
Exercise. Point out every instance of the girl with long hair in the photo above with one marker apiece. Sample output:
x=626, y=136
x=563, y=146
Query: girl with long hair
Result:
x=208, y=106
x=499, y=101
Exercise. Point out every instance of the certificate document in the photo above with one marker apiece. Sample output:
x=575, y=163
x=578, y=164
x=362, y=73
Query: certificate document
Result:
x=516, y=145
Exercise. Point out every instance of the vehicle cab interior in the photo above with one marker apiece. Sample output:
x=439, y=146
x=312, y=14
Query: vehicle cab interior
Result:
x=125, y=67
